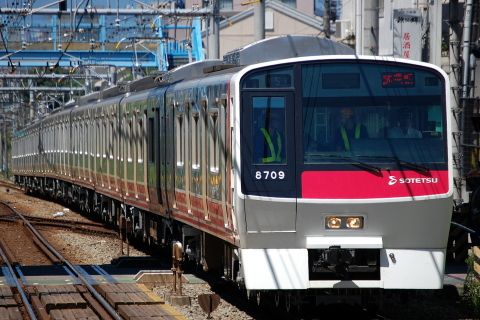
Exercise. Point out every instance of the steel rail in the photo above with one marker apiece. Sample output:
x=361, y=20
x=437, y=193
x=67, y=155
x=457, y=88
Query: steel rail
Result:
x=64, y=224
x=26, y=303
x=92, y=290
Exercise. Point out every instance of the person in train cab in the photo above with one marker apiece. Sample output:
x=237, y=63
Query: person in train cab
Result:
x=404, y=130
x=349, y=130
x=270, y=139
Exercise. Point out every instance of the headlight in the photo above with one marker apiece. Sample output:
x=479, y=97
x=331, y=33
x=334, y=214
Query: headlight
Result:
x=344, y=222
x=354, y=223
x=334, y=223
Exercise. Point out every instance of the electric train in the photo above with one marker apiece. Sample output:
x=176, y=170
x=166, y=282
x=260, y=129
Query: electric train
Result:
x=179, y=156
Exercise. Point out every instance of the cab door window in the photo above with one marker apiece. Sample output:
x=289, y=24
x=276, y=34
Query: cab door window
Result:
x=269, y=130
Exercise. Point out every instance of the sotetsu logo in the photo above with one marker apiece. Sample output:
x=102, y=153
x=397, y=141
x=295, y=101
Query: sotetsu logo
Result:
x=394, y=180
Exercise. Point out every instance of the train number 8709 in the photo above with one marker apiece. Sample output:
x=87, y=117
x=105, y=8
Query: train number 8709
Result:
x=270, y=175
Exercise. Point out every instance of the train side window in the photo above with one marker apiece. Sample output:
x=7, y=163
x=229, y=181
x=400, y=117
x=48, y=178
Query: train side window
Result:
x=99, y=143
x=63, y=131
x=195, y=141
x=179, y=134
x=81, y=135
x=151, y=136
x=60, y=140
x=75, y=139
x=91, y=142
x=57, y=130
x=61, y=144
x=111, y=140
x=67, y=147
x=76, y=136
x=91, y=139
x=130, y=141
x=88, y=141
x=85, y=138
x=214, y=149
x=115, y=138
x=141, y=137
x=121, y=139
x=104, y=142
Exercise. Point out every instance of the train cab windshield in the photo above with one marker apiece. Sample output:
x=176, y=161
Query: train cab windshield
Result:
x=371, y=113
x=339, y=116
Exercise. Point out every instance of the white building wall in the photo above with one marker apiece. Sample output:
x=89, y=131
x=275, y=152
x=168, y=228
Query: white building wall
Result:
x=242, y=33
x=304, y=6
x=430, y=13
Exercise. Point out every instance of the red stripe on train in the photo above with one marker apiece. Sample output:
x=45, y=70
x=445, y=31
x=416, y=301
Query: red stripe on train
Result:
x=370, y=185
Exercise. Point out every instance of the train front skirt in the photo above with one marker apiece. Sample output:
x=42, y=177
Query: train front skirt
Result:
x=290, y=269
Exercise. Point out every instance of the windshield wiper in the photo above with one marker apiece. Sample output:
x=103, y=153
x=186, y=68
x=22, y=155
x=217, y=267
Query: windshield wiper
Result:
x=349, y=159
x=413, y=165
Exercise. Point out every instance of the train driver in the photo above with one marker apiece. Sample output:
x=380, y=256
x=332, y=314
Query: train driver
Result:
x=405, y=130
x=349, y=130
x=270, y=139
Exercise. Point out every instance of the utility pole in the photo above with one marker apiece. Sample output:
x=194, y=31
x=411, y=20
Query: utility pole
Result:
x=457, y=117
x=370, y=27
x=358, y=27
x=326, y=19
x=435, y=33
x=467, y=32
x=213, y=35
x=259, y=20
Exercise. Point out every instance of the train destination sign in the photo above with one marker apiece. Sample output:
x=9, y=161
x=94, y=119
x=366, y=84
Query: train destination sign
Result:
x=398, y=79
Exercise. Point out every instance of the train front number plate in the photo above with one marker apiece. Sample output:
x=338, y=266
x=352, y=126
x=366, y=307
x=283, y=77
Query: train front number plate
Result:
x=270, y=175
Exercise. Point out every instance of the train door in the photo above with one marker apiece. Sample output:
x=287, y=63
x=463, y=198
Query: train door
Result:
x=111, y=151
x=89, y=147
x=188, y=148
x=153, y=154
x=170, y=147
x=268, y=160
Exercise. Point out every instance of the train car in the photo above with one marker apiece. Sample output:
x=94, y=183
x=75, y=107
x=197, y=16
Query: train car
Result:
x=293, y=166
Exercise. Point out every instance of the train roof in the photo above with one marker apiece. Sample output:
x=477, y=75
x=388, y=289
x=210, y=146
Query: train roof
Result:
x=284, y=47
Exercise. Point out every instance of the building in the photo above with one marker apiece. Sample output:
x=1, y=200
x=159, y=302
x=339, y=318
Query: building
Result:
x=280, y=19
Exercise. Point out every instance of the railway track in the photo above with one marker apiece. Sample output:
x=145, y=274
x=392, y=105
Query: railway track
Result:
x=9, y=186
x=80, y=298
x=77, y=226
x=7, y=215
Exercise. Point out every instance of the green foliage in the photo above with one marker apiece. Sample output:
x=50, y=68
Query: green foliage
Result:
x=444, y=46
x=471, y=289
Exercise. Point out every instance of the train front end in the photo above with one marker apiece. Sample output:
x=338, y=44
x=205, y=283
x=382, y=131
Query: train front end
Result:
x=343, y=173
